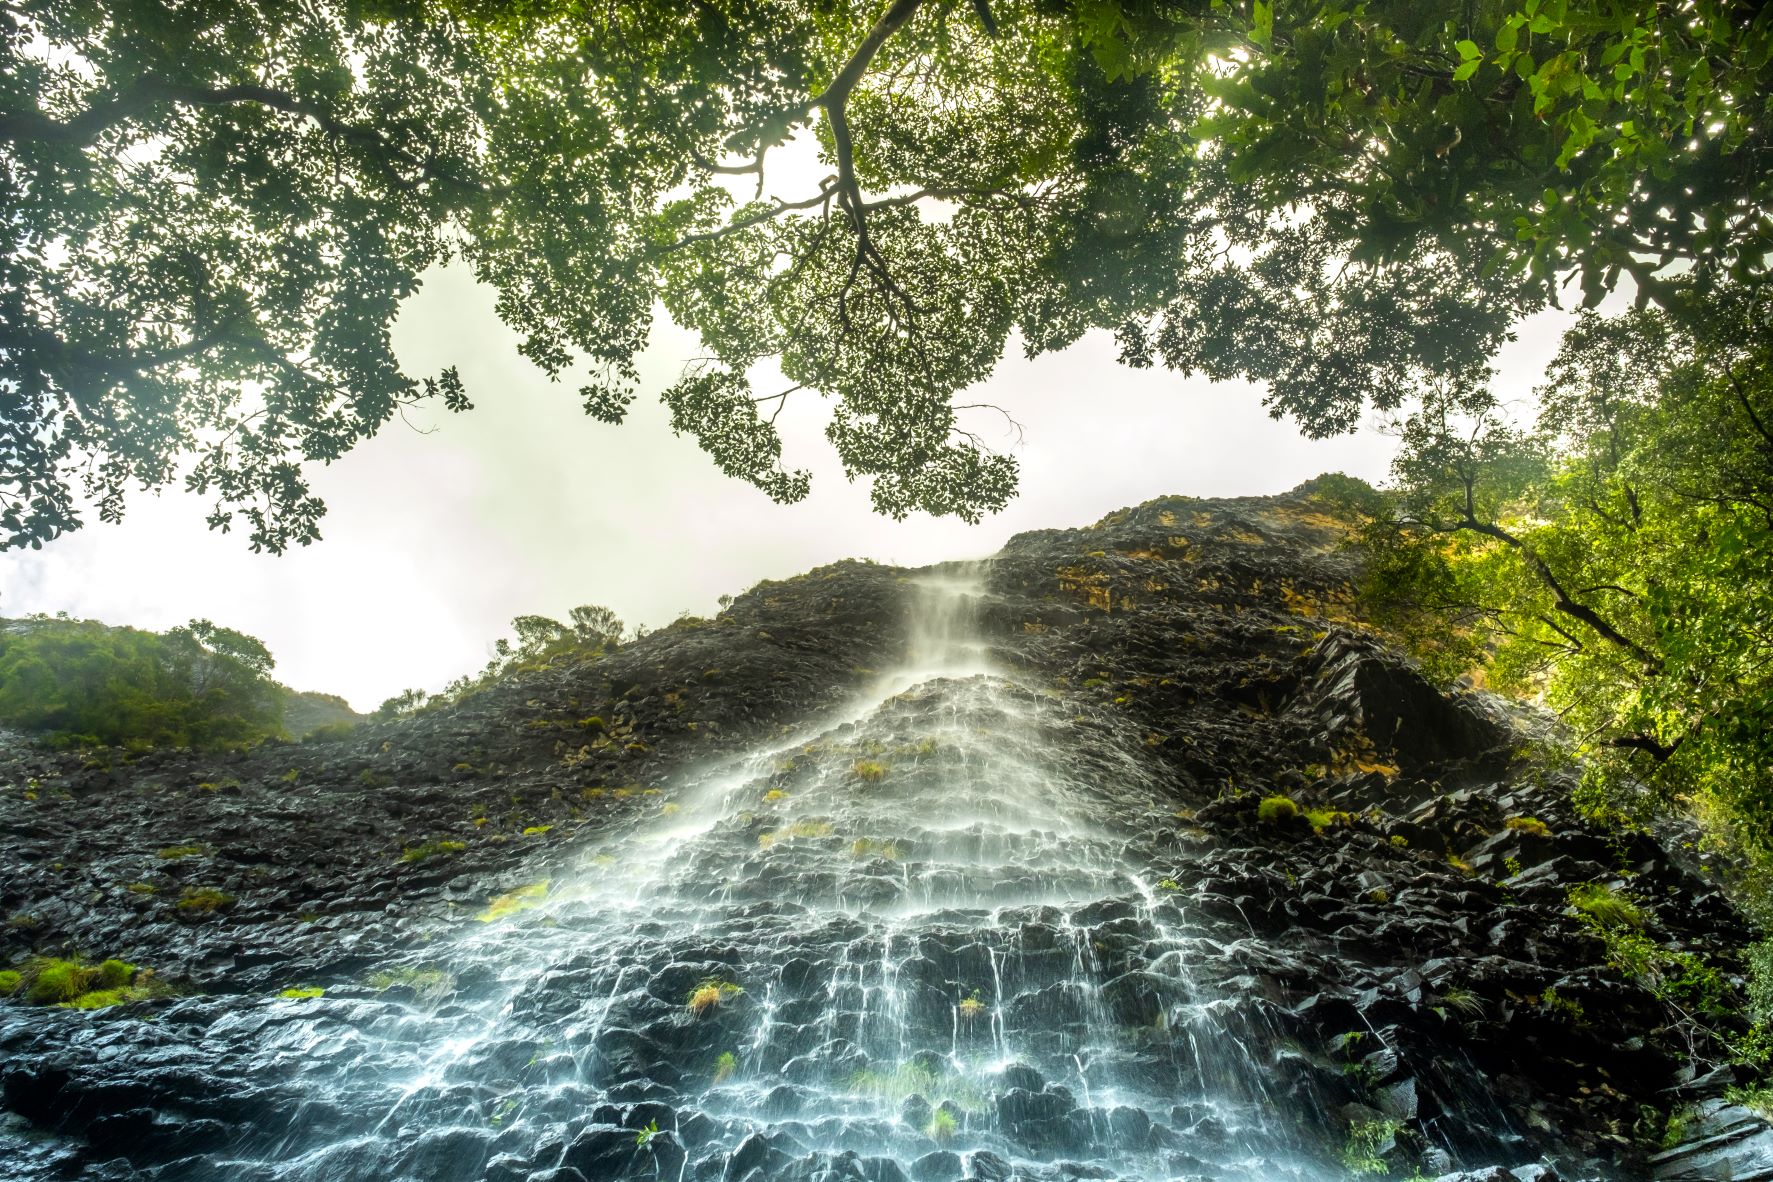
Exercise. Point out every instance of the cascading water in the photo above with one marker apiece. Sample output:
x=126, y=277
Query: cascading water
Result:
x=915, y=941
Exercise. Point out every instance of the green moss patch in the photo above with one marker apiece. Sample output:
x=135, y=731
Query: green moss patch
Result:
x=1276, y=810
x=203, y=901
x=432, y=849
x=72, y=983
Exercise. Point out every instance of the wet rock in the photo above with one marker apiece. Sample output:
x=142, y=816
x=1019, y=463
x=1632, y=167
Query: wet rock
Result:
x=1724, y=1143
x=939, y=1165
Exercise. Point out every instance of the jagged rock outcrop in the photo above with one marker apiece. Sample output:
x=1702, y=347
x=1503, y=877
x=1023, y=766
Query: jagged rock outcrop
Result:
x=1023, y=924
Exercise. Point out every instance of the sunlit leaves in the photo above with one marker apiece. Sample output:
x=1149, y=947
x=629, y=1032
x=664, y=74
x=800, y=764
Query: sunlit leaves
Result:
x=1644, y=497
x=218, y=211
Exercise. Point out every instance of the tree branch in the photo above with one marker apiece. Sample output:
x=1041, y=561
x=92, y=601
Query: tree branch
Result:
x=1560, y=597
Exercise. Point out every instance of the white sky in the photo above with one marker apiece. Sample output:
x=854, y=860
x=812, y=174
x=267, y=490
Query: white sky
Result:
x=434, y=541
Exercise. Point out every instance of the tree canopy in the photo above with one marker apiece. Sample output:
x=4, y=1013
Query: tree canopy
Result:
x=80, y=683
x=215, y=210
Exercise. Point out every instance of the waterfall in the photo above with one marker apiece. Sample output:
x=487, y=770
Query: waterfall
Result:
x=917, y=940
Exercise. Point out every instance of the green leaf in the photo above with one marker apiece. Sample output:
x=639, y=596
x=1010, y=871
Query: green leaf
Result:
x=1263, y=31
x=1507, y=37
x=1466, y=69
x=1468, y=49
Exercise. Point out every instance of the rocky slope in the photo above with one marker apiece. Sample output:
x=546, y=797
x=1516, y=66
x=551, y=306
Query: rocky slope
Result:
x=1391, y=981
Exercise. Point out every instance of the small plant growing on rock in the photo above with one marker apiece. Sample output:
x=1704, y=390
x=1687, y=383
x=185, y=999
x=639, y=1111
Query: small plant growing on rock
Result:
x=428, y=984
x=511, y=902
x=1368, y=1142
x=56, y=981
x=869, y=771
x=74, y=984
x=1169, y=884
x=1462, y=1001
x=1528, y=826
x=1276, y=810
x=1559, y=1006
x=173, y=853
x=775, y=794
x=141, y=888
x=302, y=992
x=1606, y=907
x=431, y=849
x=725, y=1066
x=710, y=995
x=868, y=847
x=942, y=1126
x=644, y=1136
x=203, y=901
x=971, y=1007
x=1324, y=819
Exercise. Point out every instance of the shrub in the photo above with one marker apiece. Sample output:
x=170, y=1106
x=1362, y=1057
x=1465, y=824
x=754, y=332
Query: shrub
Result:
x=1276, y=810
x=1528, y=826
x=1605, y=906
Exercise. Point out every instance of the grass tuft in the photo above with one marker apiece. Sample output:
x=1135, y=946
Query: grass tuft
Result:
x=710, y=995
x=1605, y=906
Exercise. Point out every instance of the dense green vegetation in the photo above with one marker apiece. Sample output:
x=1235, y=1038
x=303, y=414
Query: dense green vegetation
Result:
x=80, y=683
x=1348, y=200
x=1613, y=557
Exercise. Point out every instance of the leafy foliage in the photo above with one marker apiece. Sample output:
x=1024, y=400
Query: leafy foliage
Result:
x=1615, y=558
x=216, y=211
x=78, y=682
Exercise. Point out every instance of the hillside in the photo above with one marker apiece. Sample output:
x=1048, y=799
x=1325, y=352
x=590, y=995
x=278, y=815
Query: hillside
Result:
x=1129, y=853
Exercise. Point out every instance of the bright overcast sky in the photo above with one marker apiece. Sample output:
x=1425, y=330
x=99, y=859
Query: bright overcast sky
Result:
x=434, y=541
